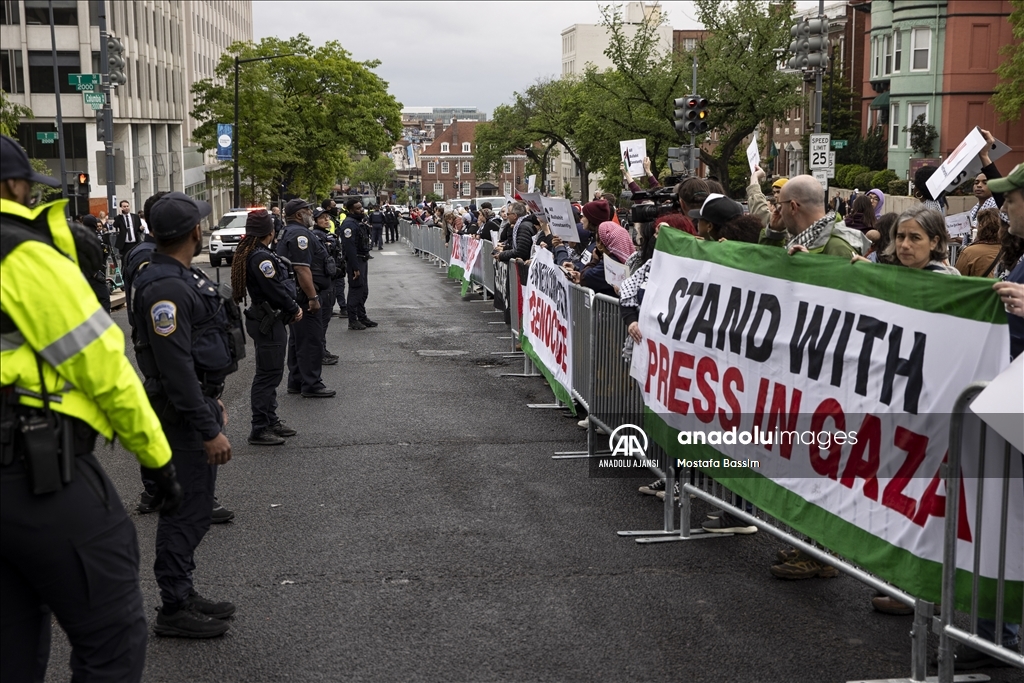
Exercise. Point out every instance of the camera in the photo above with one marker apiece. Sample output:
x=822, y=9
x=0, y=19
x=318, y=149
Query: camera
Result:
x=665, y=201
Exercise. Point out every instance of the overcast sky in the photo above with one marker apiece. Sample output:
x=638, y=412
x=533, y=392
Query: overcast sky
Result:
x=436, y=54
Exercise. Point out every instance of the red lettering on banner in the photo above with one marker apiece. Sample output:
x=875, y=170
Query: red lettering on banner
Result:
x=706, y=367
x=677, y=382
x=778, y=419
x=652, y=365
x=934, y=505
x=546, y=327
x=732, y=377
x=869, y=440
x=829, y=408
x=916, y=446
x=663, y=361
x=762, y=399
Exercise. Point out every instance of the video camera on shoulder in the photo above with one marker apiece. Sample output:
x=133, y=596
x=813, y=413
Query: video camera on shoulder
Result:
x=665, y=201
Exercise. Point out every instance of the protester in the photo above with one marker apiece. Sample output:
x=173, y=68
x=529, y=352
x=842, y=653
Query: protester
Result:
x=980, y=258
x=862, y=213
x=742, y=228
x=879, y=237
x=612, y=242
x=801, y=209
x=716, y=211
x=757, y=205
x=877, y=199
x=520, y=244
x=922, y=192
x=986, y=198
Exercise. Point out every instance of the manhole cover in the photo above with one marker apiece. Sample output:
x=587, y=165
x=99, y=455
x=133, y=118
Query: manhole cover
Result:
x=440, y=352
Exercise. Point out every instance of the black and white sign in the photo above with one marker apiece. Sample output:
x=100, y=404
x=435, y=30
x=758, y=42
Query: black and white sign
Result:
x=819, y=150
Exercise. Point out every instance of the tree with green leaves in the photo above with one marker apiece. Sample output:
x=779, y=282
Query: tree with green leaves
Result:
x=1008, y=98
x=300, y=116
x=377, y=172
x=738, y=72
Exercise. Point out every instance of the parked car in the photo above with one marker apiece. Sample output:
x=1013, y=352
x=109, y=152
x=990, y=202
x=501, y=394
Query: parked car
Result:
x=496, y=202
x=225, y=238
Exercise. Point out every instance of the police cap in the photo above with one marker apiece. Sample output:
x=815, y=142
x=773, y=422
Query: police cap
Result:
x=294, y=206
x=14, y=164
x=176, y=214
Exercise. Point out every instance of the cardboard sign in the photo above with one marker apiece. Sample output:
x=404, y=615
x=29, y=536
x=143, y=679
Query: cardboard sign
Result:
x=632, y=153
x=958, y=224
x=614, y=272
x=558, y=213
x=753, y=156
x=963, y=163
x=531, y=183
x=533, y=202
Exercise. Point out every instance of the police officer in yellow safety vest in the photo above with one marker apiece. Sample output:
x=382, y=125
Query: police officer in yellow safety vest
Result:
x=66, y=544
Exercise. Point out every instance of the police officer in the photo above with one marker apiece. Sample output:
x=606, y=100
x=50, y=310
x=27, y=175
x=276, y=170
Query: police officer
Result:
x=66, y=544
x=189, y=341
x=331, y=207
x=299, y=245
x=391, y=223
x=322, y=230
x=262, y=274
x=377, y=226
x=355, y=243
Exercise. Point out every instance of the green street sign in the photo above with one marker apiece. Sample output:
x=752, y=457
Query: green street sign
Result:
x=84, y=79
x=95, y=98
x=47, y=138
x=838, y=144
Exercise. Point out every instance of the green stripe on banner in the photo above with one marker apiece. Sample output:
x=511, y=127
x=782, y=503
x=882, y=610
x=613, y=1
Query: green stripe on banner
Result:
x=915, y=575
x=465, y=284
x=560, y=392
x=455, y=272
x=964, y=297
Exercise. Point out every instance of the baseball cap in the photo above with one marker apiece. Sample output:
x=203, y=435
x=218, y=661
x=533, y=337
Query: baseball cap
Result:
x=14, y=164
x=175, y=214
x=1013, y=181
x=294, y=206
x=718, y=209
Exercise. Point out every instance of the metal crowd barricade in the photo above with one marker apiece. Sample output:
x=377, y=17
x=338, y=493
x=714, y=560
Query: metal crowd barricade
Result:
x=943, y=625
x=517, y=270
x=954, y=252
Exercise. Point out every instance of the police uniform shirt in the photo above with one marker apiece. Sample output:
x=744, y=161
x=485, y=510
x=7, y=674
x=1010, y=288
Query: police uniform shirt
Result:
x=299, y=245
x=352, y=243
x=267, y=279
x=169, y=301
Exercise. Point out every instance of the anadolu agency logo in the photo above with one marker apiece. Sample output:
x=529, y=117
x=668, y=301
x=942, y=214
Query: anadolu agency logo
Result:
x=628, y=444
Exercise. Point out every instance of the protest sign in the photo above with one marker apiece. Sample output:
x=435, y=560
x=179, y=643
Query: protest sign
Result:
x=958, y=224
x=534, y=203
x=531, y=183
x=558, y=213
x=495, y=237
x=753, y=156
x=471, y=254
x=632, y=153
x=963, y=163
x=823, y=396
x=614, y=272
x=547, y=330
x=457, y=262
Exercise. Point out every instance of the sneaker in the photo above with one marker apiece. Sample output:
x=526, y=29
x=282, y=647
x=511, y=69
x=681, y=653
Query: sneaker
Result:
x=887, y=605
x=716, y=514
x=146, y=504
x=803, y=568
x=788, y=555
x=675, y=490
x=582, y=424
x=329, y=360
x=220, y=514
x=967, y=658
x=281, y=429
x=727, y=524
x=217, y=610
x=265, y=437
x=368, y=322
x=356, y=325
x=654, y=488
x=188, y=622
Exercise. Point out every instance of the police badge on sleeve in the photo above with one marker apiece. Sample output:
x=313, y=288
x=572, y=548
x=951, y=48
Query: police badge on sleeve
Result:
x=267, y=268
x=163, y=313
x=303, y=242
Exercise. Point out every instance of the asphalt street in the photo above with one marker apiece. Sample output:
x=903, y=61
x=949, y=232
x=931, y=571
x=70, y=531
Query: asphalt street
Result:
x=417, y=529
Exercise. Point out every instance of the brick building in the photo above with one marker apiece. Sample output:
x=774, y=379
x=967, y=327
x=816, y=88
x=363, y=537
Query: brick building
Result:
x=448, y=167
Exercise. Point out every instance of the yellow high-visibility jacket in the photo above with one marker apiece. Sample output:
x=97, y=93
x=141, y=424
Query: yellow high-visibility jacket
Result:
x=56, y=314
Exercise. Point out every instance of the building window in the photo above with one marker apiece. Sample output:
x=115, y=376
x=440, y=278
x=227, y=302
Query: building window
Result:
x=920, y=49
x=466, y=147
x=65, y=13
x=13, y=69
x=887, y=54
x=874, y=58
x=439, y=189
x=431, y=167
x=40, y=71
x=9, y=12
x=913, y=111
x=444, y=148
x=506, y=167
x=465, y=189
x=897, y=44
x=894, y=124
x=465, y=167
x=508, y=188
x=445, y=167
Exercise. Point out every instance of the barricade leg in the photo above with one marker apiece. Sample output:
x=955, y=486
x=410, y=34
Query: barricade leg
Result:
x=669, y=513
x=528, y=370
x=591, y=447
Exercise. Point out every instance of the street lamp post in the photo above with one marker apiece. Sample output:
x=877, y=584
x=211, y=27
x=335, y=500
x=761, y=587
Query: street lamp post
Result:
x=238, y=181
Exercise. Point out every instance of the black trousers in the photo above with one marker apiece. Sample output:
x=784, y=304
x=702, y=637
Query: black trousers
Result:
x=377, y=233
x=306, y=350
x=358, y=290
x=339, y=292
x=271, y=349
x=326, y=309
x=392, y=233
x=74, y=553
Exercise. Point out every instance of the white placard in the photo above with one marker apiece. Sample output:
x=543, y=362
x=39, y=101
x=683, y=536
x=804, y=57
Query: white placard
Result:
x=495, y=235
x=958, y=224
x=531, y=183
x=614, y=272
x=534, y=203
x=963, y=163
x=819, y=150
x=632, y=153
x=558, y=213
x=753, y=156
x=1001, y=403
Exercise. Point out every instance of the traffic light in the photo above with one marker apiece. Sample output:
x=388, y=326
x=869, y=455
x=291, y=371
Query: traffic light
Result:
x=101, y=125
x=810, y=44
x=115, y=61
x=691, y=114
x=80, y=185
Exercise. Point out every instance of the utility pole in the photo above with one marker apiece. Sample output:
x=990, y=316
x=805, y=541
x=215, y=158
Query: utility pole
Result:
x=60, y=117
x=107, y=112
x=818, y=72
x=693, y=137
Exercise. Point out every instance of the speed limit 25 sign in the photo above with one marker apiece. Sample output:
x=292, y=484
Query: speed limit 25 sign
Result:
x=819, y=150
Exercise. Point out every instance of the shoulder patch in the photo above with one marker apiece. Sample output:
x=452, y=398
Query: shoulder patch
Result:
x=163, y=314
x=267, y=268
x=348, y=232
x=302, y=241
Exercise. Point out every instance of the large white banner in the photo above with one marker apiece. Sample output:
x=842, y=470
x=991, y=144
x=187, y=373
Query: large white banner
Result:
x=547, y=330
